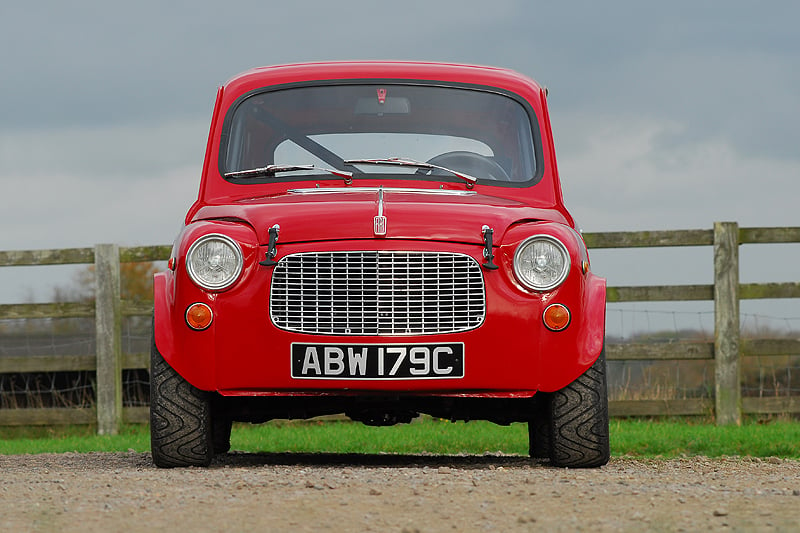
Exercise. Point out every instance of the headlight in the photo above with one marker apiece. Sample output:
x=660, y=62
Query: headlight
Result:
x=214, y=262
x=541, y=262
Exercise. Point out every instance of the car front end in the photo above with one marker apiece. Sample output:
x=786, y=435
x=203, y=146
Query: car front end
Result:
x=381, y=240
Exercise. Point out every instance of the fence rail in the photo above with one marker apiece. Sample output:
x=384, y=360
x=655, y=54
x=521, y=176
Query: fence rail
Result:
x=726, y=351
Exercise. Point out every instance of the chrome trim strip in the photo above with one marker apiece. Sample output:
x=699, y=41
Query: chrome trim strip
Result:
x=403, y=190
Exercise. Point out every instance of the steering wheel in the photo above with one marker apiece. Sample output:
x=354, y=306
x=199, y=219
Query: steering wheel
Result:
x=471, y=163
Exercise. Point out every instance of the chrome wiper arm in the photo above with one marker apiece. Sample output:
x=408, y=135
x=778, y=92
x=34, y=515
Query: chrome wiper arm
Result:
x=405, y=162
x=271, y=170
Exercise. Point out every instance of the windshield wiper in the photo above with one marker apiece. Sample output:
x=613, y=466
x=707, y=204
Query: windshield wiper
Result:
x=405, y=162
x=271, y=170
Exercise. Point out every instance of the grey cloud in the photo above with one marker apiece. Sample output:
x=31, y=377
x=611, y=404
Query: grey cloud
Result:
x=104, y=106
x=712, y=68
x=115, y=70
x=119, y=151
x=90, y=63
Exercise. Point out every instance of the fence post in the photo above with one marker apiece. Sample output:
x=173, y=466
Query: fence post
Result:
x=727, y=382
x=108, y=327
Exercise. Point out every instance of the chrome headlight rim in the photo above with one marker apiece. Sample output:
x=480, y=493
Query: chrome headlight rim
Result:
x=562, y=276
x=237, y=252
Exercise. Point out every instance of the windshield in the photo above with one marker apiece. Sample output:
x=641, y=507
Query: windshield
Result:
x=483, y=134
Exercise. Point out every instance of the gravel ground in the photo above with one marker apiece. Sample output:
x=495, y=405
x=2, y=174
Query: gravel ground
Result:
x=297, y=492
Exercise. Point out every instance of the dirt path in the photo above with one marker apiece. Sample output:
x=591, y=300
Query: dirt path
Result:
x=280, y=492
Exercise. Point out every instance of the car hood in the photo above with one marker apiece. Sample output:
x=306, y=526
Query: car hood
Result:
x=349, y=213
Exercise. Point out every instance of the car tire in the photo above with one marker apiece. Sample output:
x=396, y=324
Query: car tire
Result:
x=221, y=437
x=539, y=427
x=579, y=420
x=180, y=418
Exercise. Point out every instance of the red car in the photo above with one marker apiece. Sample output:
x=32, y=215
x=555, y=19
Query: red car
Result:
x=384, y=240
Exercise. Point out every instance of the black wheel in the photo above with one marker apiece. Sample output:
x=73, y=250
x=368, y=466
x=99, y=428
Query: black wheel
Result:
x=540, y=427
x=471, y=163
x=579, y=420
x=180, y=418
x=221, y=437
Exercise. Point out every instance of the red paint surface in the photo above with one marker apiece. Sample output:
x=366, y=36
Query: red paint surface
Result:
x=511, y=354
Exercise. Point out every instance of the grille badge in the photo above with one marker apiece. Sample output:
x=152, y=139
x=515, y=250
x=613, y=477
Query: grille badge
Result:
x=379, y=222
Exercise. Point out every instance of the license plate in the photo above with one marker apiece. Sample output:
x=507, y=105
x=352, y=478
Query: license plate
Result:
x=378, y=361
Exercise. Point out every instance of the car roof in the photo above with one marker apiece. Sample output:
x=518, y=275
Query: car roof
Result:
x=392, y=70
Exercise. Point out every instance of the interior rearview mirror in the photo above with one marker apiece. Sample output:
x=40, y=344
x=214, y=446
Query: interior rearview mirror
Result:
x=390, y=105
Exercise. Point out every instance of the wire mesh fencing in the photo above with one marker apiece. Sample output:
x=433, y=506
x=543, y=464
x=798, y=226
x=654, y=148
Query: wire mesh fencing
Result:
x=763, y=376
x=67, y=338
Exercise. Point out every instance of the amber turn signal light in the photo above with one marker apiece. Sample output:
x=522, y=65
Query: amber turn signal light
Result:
x=556, y=317
x=199, y=316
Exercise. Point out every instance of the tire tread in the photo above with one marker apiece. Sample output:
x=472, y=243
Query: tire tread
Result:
x=580, y=436
x=180, y=418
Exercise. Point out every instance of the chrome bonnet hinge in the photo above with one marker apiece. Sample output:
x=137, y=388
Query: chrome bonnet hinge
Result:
x=488, y=252
x=272, y=248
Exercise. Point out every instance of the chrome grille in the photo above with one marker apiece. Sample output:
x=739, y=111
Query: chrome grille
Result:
x=377, y=293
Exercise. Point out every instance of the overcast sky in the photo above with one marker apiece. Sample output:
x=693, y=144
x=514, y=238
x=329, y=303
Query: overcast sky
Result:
x=668, y=115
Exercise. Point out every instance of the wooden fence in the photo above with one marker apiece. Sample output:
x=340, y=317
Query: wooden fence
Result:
x=107, y=310
x=726, y=350
x=728, y=347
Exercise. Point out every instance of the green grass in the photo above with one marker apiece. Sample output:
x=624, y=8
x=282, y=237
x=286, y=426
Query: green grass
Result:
x=686, y=437
x=636, y=438
x=430, y=436
x=19, y=440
